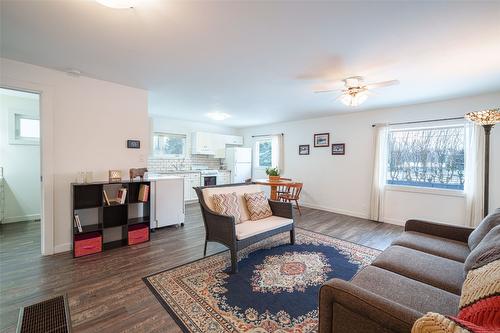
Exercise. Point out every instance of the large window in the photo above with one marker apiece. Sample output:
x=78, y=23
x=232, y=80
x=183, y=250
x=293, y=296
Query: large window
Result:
x=427, y=157
x=169, y=145
x=264, y=153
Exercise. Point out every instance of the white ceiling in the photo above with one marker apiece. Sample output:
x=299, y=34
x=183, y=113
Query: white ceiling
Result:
x=260, y=61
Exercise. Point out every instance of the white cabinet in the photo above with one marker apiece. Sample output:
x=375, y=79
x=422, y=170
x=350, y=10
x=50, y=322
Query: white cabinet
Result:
x=233, y=139
x=167, y=201
x=191, y=179
x=202, y=143
x=224, y=177
x=212, y=143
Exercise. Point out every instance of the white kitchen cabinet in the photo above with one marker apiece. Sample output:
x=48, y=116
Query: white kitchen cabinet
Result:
x=224, y=177
x=203, y=143
x=191, y=179
x=233, y=139
x=212, y=143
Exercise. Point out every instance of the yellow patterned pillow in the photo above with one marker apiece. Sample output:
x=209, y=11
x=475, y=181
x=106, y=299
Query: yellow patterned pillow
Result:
x=227, y=204
x=258, y=206
x=436, y=323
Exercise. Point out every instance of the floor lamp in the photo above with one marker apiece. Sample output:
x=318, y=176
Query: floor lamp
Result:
x=487, y=119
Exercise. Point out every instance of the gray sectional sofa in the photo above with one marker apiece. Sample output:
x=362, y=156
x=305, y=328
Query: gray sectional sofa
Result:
x=422, y=271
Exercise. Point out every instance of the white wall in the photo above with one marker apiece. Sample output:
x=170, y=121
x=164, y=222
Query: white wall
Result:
x=20, y=162
x=92, y=120
x=342, y=183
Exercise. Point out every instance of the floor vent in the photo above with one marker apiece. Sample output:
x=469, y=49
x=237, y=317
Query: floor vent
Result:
x=51, y=316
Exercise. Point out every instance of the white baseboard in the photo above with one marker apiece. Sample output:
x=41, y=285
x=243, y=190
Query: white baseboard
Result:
x=13, y=219
x=352, y=213
x=393, y=221
x=336, y=210
x=62, y=248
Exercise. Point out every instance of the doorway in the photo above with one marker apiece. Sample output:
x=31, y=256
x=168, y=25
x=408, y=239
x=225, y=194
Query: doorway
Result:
x=20, y=185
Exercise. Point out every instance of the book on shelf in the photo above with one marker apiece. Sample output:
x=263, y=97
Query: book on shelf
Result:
x=106, y=199
x=143, y=193
x=122, y=195
x=78, y=223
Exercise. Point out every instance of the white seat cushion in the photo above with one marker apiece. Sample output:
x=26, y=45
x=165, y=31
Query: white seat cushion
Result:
x=240, y=192
x=251, y=228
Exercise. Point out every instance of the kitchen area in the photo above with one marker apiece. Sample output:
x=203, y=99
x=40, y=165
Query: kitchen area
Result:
x=180, y=161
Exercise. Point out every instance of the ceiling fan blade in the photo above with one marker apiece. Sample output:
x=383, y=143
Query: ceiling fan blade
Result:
x=381, y=84
x=326, y=91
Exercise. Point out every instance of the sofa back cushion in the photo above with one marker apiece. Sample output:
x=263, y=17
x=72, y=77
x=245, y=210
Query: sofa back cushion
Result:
x=227, y=204
x=258, y=206
x=488, y=223
x=490, y=243
x=240, y=191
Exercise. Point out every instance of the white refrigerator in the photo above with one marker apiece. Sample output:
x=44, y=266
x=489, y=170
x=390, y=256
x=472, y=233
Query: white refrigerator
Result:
x=239, y=162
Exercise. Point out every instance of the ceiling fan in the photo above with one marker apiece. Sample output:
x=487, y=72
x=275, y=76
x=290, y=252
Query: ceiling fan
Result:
x=355, y=91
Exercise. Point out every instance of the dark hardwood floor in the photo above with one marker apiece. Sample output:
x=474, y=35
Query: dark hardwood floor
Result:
x=106, y=293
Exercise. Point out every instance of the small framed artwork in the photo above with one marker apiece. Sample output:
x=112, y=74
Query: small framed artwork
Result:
x=322, y=140
x=303, y=149
x=338, y=149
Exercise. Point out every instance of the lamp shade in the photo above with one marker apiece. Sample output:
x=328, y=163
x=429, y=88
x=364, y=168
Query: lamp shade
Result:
x=486, y=117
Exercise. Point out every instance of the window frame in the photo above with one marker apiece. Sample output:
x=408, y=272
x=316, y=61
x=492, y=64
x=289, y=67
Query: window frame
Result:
x=15, y=137
x=155, y=154
x=454, y=192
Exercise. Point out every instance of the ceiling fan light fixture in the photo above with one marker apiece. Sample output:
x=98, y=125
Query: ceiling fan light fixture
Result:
x=219, y=116
x=117, y=4
x=353, y=99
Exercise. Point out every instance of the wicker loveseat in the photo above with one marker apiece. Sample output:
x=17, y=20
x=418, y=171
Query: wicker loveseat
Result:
x=224, y=230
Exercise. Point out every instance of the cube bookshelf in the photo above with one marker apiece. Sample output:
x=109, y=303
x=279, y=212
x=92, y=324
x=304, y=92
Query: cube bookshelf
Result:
x=109, y=223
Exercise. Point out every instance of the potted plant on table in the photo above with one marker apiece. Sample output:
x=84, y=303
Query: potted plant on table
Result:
x=273, y=173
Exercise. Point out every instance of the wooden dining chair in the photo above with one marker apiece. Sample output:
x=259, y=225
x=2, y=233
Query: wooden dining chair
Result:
x=283, y=189
x=293, y=194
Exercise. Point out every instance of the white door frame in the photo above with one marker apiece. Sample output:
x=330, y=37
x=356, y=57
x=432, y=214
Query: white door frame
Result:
x=46, y=93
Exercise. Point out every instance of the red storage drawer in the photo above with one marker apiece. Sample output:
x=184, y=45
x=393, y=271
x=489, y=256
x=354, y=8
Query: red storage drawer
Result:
x=87, y=244
x=138, y=233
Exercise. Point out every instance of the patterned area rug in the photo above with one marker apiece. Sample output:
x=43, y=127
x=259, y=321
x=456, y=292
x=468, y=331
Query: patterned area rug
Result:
x=275, y=290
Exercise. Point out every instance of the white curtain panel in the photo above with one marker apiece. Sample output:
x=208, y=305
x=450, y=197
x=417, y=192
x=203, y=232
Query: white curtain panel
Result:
x=278, y=158
x=379, y=171
x=474, y=174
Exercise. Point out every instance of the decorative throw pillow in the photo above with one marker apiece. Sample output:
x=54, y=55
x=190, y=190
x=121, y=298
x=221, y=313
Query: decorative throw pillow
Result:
x=258, y=206
x=227, y=204
x=488, y=223
x=489, y=242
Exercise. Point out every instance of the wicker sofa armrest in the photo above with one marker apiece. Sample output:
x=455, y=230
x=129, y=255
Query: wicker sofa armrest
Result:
x=448, y=231
x=281, y=209
x=383, y=312
x=220, y=227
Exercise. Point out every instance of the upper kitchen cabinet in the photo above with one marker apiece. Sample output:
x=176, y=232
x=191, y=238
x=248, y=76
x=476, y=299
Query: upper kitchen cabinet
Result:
x=203, y=143
x=213, y=144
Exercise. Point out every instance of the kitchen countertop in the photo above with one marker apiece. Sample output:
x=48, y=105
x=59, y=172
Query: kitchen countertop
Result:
x=154, y=177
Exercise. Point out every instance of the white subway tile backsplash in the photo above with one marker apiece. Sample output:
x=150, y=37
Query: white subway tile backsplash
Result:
x=160, y=165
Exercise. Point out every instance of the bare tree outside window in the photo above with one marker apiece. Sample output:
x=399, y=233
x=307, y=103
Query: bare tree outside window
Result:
x=427, y=157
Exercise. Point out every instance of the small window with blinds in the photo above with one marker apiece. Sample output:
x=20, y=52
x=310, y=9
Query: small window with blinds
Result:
x=431, y=157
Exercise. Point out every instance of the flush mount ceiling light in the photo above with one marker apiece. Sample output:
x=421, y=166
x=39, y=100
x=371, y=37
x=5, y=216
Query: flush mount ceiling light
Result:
x=218, y=115
x=119, y=4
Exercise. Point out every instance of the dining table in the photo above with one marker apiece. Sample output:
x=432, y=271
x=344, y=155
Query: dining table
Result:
x=274, y=184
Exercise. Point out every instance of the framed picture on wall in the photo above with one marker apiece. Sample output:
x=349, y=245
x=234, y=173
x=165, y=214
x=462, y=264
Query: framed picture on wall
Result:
x=338, y=149
x=303, y=149
x=322, y=140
